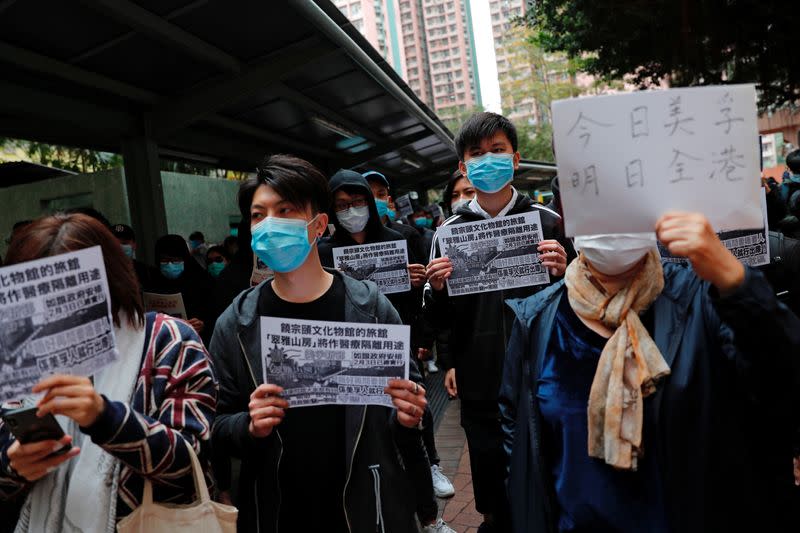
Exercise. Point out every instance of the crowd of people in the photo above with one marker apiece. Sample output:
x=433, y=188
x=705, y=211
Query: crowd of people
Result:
x=626, y=395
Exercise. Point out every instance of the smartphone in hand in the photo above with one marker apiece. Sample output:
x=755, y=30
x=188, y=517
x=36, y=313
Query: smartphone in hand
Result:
x=27, y=427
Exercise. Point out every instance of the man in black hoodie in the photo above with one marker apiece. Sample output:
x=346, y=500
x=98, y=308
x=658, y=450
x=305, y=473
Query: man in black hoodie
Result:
x=481, y=323
x=356, y=221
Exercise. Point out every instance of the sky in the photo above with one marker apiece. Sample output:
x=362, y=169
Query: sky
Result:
x=487, y=64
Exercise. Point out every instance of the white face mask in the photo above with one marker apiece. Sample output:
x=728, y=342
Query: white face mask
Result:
x=455, y=206
x=615, y=253
x=355, y=219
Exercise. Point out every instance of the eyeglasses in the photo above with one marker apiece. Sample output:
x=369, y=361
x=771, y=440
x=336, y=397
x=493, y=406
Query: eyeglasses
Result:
x=357, y=202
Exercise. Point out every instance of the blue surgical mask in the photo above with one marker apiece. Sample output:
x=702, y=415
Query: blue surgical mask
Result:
x=423, y=223
x=392, y=214
x=489, y=173
x=195, y=244
x=215, y=269
x=127, y=249
x=383, y=208
x=235, y=232
x=281, y=243
x=172, y=270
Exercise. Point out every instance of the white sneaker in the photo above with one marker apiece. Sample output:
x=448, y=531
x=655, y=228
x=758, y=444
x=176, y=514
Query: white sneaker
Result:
x=432, y=368
x=440, y=526
x=442, y=487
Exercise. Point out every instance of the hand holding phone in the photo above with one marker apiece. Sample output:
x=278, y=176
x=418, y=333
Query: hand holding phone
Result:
x=37, y=459
x=40, y=445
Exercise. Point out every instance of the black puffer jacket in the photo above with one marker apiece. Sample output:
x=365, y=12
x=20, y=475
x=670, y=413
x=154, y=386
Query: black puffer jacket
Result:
x=480, y=324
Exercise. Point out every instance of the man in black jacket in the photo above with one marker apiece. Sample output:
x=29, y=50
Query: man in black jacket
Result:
x=356, y=221
x=481, y=323
x=347, y=464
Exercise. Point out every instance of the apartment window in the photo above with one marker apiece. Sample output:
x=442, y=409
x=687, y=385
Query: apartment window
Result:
x=355, y=9
x=359, y=24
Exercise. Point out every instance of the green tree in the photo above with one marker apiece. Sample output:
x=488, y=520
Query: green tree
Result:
x=66, y=157
x=682, y=42
x=533, y=79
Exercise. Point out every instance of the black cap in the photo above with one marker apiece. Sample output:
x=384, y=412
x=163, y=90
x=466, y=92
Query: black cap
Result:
x=123, y=232
x=374, y=175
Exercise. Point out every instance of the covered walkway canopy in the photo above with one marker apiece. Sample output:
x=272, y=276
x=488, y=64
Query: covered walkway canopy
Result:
x=219, y=82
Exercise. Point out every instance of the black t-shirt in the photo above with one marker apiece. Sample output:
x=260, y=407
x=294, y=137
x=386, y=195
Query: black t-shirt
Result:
x=312, y=468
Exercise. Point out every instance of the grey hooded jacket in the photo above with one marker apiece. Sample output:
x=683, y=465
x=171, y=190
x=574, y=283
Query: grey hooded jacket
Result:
x=373, y=435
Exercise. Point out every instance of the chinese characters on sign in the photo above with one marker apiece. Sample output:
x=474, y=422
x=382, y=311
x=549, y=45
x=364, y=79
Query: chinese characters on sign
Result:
x=343, y=363
x=626, y=159
x=55, y=318
x=385, y=263
x=495, y=254
x=169, y=304
x=751, y=247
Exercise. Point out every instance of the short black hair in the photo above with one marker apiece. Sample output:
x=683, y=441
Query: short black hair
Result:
x=220, y=250
x=296, y=180
x=197, y=236
x=793, y=161
x=481, y=126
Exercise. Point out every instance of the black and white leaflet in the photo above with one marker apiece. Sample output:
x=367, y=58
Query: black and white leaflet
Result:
x=385, y=263
x=55, y=318
x=494, y=254
x=403, y=205
x=751, y=247
x=318, y=362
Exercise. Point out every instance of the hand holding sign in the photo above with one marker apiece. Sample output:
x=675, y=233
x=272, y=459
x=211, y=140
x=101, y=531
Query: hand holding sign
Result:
x=691, y=235
x=266, y=410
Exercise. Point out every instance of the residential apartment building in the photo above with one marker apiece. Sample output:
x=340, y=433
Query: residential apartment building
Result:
x=511, y=63
x=429, y=42
x=379, y=22
x=451, y=54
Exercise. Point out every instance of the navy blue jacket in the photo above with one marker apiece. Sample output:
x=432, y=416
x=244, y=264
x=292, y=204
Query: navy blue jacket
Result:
x=724, y=416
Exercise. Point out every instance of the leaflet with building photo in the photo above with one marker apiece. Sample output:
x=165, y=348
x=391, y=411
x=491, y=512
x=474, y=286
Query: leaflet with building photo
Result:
x=318, y=362
x=55, y=318
x=385, y=263
x=494, y=254
x=751, y=247
x=169, y=304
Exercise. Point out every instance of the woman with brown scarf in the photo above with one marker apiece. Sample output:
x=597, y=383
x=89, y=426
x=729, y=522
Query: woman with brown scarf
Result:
x=638, y=397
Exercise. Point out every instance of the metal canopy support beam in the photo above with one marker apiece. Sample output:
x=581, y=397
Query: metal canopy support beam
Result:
x=173, y=114
x=267, y=136
x=314, y=14
x=52, y=67
x=86, y=54
x=309, y=104
x=156, y=27
x=385, y=148
x=145, y=194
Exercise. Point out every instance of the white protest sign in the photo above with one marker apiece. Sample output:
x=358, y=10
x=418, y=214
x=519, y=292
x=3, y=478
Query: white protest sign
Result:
x=318, y=362
x=494, y=254
x=623, y=160
x=55, y=318
x=385, y=263
x=169, y=304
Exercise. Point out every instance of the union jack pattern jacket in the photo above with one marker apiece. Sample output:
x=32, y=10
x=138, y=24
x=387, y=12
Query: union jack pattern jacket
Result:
x=173, y=405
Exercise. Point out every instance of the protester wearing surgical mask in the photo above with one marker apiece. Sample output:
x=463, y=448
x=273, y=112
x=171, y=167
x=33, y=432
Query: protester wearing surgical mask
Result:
x=422, y=221
x=178, y=272
x=217, y=260
x=127, y=239
x=323, y=461
x=657, y=400
x=480, y=324
x=458, y=193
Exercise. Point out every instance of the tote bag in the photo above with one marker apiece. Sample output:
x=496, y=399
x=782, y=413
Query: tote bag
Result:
x=203, y=516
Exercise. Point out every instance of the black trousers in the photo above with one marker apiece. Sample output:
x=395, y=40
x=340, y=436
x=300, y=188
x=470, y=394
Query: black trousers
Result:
x=488, y=463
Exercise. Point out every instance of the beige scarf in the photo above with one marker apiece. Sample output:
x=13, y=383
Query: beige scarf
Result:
x=630, y=364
